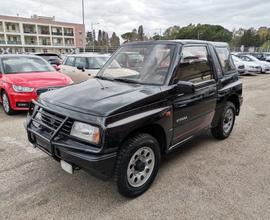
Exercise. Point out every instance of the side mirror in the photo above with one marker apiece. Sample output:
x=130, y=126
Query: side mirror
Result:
x=81, y=68
x=56, y=67
x=185, y=87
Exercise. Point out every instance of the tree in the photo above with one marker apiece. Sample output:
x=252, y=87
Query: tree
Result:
x=250, y=38
x=140, y=33
x=115, y=41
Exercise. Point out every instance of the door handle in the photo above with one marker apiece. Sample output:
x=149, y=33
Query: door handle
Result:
x=89, y=74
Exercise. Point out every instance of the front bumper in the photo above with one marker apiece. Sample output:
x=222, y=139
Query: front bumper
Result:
x=61, y=147
x=21, y=101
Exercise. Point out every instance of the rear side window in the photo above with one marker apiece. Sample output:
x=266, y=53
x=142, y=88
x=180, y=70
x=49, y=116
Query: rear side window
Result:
x=225, y=59
x=80, y=61
x=194, y=65
x=70, y=61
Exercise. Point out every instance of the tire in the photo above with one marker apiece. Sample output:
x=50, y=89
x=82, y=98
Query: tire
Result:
x=6, y=104
x=139, y=157
x=226, y=122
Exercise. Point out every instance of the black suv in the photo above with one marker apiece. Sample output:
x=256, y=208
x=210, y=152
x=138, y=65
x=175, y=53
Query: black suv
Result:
x=121, y=122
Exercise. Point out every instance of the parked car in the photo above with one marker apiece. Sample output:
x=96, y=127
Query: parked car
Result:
x=240, y=65
x=23, y=78
x=80, y=67
x=260, y=56
x=264, y=66
x=53, y=58
x=121, y=121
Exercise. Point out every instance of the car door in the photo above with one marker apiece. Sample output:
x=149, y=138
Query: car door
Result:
x=194, y=112
x=81, y=66
x=68, y=66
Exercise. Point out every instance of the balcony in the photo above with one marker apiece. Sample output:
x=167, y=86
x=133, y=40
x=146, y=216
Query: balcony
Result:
x=30, y=40
x=57, y=33
x=69, y=34
x=29, y=29
x=45, y=30
x=14, y=42
x=12, y=27
x=2, y=42
x=1, y=27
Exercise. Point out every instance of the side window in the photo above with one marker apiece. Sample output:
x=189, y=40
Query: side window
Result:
x=70, y=61
x=225, y=59
x=80, y=61
x=194, y=65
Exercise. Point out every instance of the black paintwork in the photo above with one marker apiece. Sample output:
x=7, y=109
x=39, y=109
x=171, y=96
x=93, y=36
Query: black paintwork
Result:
x=120, y=109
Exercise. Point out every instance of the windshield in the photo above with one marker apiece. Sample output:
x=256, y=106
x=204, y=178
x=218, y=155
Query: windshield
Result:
x=25, y=65
x=252, y=58
x=236, y=59
x=145, y=64
x=97, y=62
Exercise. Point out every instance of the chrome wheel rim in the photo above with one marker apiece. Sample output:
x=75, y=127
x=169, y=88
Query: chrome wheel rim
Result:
x=141, y=166
x=228, y=120
x=5, y=103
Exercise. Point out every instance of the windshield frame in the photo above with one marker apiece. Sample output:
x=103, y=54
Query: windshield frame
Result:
x=51, y=69
x=168, y=76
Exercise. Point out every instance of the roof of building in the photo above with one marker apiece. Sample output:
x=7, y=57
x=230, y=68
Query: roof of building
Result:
x=38, y=20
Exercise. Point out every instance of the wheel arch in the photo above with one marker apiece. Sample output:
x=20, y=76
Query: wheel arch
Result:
x=235, y=100
x=155, y=130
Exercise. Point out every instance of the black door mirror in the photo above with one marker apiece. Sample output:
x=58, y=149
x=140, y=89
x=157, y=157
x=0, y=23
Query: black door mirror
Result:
x=185, y=87
x=80, y=67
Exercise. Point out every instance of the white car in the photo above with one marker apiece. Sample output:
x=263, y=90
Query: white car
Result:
x=80, y=67
x=240, y=64
x=264, y=66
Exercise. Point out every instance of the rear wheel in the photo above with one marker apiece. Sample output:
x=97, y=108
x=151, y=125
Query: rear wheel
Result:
x=6, y=104
x=137, y=165
x=226, y=122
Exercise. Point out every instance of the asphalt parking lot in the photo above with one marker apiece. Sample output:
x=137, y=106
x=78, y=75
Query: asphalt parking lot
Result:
x=205, y=179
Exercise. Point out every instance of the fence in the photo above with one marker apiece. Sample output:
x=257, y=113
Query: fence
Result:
x=250, y=49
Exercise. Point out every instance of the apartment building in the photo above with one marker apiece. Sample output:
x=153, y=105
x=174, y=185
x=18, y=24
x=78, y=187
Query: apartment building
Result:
x=39, y=34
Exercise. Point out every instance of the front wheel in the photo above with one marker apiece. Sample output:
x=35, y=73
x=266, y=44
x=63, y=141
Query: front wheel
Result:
x=137, y=165
x=226, y=122
x=6, y=104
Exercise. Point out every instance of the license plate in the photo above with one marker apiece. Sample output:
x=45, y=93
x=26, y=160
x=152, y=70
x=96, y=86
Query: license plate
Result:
x=66, y=166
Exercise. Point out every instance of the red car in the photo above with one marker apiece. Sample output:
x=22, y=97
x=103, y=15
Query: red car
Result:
x=25, y=77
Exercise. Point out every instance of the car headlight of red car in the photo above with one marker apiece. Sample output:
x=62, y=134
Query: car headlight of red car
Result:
x=22, y=89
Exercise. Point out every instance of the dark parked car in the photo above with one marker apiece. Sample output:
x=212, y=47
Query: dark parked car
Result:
x=121, y=122
x=53, y=59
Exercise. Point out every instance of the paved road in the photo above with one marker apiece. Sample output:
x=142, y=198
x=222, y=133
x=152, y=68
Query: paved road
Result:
x=206, y=179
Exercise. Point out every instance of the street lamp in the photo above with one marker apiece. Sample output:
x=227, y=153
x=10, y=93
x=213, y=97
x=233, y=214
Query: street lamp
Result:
x=199, y=34
x=93, y=34
x=83, y=26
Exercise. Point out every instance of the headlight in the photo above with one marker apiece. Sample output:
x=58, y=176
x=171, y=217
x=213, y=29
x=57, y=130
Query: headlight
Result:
x=22, y=89
x=86, y=132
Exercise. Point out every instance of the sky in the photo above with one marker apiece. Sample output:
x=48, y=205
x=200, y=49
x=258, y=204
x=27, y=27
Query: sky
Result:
x=155, y=15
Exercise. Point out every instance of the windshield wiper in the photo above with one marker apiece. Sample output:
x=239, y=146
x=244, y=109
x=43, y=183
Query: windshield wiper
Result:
x=104, y=78
x=126, y=80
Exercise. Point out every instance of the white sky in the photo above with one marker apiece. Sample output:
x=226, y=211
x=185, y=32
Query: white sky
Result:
x=122, y=16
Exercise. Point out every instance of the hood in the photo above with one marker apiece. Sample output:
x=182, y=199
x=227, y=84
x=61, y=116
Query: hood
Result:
x=265, y=63
x=251, y=63
x=102, y=97
x=38, y=80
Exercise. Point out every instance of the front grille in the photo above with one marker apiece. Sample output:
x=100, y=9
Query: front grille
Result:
x=241, y=67
x=50, y=121
x=66, y=129
x=42, y=90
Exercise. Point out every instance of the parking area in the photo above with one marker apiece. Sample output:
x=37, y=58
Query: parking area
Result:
x=205, y=179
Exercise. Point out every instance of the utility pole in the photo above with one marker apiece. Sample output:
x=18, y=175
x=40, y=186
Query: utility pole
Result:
x=83, y=26
x=93, y=34
x=199, y=35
